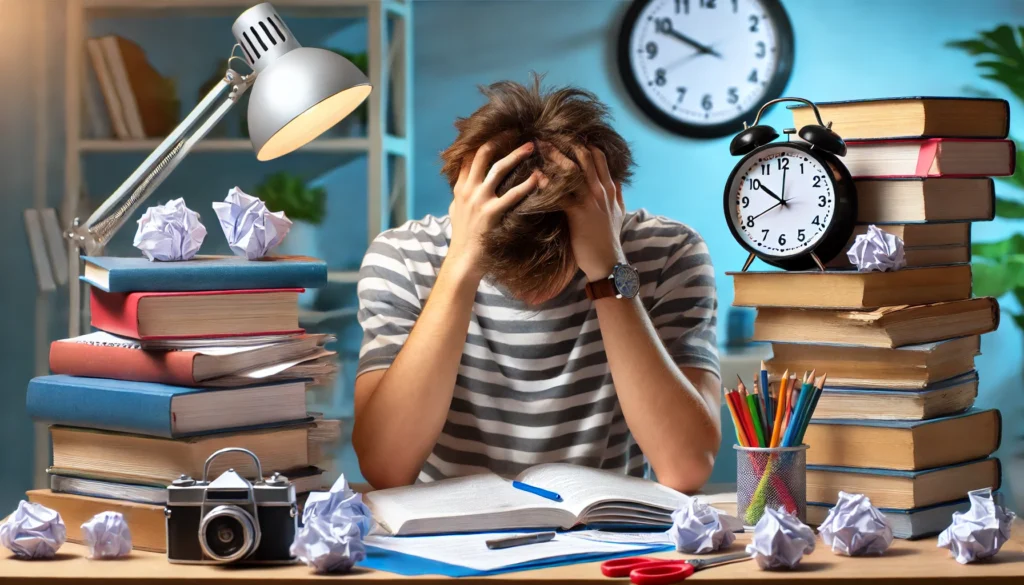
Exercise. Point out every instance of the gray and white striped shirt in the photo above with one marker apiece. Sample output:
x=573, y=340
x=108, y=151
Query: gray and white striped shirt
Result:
x=533, y=384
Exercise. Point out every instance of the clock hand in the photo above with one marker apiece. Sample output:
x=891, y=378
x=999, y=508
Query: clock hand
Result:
x=784, y=185
x=703, y=49
x=772, y=193
x=767, y=210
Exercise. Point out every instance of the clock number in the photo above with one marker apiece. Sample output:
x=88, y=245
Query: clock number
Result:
x=735, y=6
x=754, y=184
x=707, y=3
x=682, y=92
x=782, y=239
x=684, y=4
x=817, y=181
x=753, y=76
x=659, y=77
x=663, y=25
x=734, y=95
x=652, y=50
x=706, y=102
x=753, y=23
x=765, y=236
x=801, y=168
x=800, y=235
x=822, y=201
x=783, y=164
x=766, y=169
x=816, y=221
x=750, y=221
x=745, y=201
x=761, y=52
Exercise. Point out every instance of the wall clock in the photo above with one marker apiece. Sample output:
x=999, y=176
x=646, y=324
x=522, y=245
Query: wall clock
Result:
x=700, y=67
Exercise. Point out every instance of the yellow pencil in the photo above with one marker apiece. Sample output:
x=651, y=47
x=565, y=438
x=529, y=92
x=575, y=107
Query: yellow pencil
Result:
x=780, y=408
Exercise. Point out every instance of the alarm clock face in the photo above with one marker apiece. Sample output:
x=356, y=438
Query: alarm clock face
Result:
x=701, y=67
x=781, y=201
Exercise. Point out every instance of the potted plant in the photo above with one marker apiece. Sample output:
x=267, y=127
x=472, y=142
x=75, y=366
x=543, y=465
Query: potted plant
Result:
x=999, y=266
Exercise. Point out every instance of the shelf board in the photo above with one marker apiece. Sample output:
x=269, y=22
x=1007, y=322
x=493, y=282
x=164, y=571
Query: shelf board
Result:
x=222, y=145
x=302, y=8
x=343, y=276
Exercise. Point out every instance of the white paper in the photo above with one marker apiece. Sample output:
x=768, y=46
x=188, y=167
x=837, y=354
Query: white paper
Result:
x=696, y=529
x=780, y=540
x=854, y=527
x=327, y=546
x=644, y=538
x=339, y=505
x=169, y=232
x=877, y=250
x=252, y=230
x=267, y=371
x=33, y=531
x=107, y=536
x=470, y=550
x=980, y=532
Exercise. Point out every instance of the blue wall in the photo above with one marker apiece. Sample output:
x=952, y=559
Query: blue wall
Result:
x=879, y=48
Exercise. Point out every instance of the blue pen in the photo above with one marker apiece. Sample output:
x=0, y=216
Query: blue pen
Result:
x=536, y=491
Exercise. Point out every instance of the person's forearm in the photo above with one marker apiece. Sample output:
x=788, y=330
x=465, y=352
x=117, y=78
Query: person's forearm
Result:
x=403, y=417
x=675, y=423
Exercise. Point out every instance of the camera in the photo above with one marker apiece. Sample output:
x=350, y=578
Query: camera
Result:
x=230, y=519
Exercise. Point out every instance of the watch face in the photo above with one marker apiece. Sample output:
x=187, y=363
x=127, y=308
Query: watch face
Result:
x=627, y=280
x=701, y=67
x=781, y=201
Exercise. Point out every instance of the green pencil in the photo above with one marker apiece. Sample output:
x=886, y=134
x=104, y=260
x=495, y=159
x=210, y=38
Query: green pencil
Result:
x=752, y=405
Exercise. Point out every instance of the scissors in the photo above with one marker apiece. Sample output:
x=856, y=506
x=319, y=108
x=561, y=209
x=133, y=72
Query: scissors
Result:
x=645, y=571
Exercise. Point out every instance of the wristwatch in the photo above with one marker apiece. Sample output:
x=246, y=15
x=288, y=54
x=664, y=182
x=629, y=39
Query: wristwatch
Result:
x=622, y=283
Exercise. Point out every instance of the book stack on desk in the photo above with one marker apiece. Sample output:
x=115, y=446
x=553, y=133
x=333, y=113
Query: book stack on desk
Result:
x=896, y=420
x=189, y=357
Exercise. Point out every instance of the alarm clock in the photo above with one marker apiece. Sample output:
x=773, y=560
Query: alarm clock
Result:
x=698, y=68
x=792, y=204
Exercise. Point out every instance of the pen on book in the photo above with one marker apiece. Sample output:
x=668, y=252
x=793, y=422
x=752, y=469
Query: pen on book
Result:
x=537, y=491
x=521, y=540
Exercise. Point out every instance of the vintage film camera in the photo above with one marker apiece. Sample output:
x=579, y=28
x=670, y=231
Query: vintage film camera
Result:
x=229, y=519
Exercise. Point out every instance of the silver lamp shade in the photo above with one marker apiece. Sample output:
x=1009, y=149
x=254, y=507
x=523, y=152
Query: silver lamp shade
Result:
x=299, y=92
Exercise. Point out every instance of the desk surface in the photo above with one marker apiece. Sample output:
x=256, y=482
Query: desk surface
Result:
x=905, y=562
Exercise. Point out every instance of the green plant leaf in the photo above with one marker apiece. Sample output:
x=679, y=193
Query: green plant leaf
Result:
x=1001, y=250
x=1002, y=37
x=1009, y=208
x=971, y=47
x=991, y=279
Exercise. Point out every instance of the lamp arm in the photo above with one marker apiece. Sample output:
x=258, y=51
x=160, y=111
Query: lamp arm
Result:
x=94, y=234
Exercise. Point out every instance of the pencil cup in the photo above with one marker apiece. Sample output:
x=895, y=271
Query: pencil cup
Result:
x=770, y=478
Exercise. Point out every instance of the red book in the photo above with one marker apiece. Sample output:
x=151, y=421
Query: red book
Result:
x=180, y=315
x=930, y=157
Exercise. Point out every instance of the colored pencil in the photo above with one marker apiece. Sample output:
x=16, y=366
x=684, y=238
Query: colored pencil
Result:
x=735, y=420
x=760, y=407
x=744, y=415
x=752, y=403
x=780, y=408
x=806, y=390
x=767, y=392
x=819, y=386
x=735, y=397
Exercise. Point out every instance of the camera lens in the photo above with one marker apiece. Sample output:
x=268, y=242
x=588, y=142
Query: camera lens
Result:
x=226, y=533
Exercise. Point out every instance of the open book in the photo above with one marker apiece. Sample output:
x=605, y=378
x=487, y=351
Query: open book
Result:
x=488, y=502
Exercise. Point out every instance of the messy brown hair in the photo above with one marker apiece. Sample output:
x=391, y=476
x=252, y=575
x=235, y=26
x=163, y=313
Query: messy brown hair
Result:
x=529, y=251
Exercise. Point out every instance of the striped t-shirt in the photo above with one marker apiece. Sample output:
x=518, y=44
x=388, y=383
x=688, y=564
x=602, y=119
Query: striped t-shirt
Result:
x=534, y=384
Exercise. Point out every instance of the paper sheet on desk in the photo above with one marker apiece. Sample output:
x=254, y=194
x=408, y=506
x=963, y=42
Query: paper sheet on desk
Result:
x=470, y=550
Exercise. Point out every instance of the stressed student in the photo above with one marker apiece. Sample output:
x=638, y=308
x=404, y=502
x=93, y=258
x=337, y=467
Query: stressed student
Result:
x=538, y=321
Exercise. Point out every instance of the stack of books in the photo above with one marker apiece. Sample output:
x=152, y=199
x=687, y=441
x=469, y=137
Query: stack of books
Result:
x=896, y=420
x=190, y=357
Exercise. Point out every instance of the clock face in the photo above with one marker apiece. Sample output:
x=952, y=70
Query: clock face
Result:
x=781, y=201
x=700, y=67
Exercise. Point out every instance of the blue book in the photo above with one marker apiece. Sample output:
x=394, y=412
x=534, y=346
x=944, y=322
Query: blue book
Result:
x=113, y=274
x=903, y=489
x=159, y=410
x=910, y=524
x=943, y=398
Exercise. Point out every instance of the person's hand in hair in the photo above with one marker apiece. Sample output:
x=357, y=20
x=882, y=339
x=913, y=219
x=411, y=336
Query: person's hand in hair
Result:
x=596, y=219
x=476, y=208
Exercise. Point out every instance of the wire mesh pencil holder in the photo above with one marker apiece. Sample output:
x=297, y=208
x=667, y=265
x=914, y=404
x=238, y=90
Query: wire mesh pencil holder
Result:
x=770, y=478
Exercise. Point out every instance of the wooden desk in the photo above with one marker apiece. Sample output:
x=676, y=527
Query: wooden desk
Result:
x=906, y=562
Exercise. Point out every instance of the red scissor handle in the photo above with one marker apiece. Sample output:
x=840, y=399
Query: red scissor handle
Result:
x=663, y=575
x=623, y=567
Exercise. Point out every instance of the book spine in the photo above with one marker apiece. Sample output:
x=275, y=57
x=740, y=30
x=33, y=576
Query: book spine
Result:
x=96, y=407
x=103, y=75
x=147, y=521
x=115, y=313
x=192, y=279
x=122, y=363
x=124, y=90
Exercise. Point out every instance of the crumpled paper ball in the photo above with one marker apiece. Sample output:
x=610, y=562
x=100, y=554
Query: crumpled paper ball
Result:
x=107, y=536
x=252, y=230
x=877, y=250
x=169, y=232
x=980, y=532
x=697, y=529
x=334, y=525
x=33, y=531
x=854, y=527
x=329, y=546
x=780, y=540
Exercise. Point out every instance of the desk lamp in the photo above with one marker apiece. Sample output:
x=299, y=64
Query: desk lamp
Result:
x=297, y=94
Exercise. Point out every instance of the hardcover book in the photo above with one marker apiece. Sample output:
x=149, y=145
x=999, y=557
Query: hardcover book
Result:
x=907, y=117
x=203, y=273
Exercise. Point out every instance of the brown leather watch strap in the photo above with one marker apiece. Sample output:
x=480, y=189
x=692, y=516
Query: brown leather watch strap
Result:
x=601, y=289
